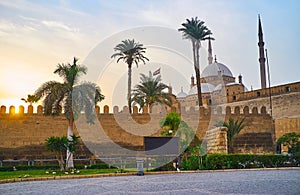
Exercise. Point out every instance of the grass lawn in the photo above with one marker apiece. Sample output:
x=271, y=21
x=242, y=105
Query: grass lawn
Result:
x=43, y=173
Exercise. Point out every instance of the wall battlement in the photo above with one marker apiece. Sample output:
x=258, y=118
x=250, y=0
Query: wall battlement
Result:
x=236, y=110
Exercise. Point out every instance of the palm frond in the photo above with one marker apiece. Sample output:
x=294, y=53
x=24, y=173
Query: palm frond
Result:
x=150, y=90
x=85, y=97
x=195, y=30
x=130, y=51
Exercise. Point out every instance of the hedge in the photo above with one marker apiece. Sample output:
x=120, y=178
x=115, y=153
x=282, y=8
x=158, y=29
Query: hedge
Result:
x=53, y=167
x=240, y=161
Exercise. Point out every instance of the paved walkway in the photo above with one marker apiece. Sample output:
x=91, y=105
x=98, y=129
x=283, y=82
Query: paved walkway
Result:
x=236, y=182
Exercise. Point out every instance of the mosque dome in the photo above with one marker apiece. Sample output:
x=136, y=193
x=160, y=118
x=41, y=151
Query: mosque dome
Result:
x=181, y=94
x=205, y=88
x=214, y=68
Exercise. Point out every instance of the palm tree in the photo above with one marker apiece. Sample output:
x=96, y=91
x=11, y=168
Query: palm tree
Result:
x=30, y=99
x=196, y=31
x=59, y=145
x=150, y=90
x=70, y=96
x=130, y=52
x=234, y=127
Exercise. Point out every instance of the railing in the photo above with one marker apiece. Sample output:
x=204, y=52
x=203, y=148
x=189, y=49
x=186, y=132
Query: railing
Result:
x=122, y=162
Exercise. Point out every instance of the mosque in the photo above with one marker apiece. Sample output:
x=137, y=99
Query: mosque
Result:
x=218, y=84
x=216, y=80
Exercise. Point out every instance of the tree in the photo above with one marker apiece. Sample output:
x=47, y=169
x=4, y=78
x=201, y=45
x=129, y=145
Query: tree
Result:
x=173, y=125
x=233, y=128
x=196, y=31
x=130, y=52
x=186, y=134
x=70, y=96
x=151, y=90
x=292, y=141
x=171, y=121
x=199, y=151
x=59, y=145
x=30, y=99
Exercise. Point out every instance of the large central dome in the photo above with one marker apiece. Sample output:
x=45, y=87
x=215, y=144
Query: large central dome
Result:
x=212, y=70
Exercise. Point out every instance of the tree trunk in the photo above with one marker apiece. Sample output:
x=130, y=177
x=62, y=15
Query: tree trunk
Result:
x=197, y=71
x=60, y=160
x=129, y=88
x=70, y=162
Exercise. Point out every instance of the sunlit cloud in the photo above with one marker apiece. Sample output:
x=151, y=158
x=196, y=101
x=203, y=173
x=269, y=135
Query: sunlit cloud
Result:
x=55, y=24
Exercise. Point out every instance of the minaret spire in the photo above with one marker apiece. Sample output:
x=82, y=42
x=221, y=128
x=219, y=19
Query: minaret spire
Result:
x=210, y=58
x=262, y=58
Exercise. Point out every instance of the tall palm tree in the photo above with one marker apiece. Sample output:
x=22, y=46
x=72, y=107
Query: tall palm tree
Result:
x=71, y=96
x=151, y=90
x=130, y=52
x=196, y=31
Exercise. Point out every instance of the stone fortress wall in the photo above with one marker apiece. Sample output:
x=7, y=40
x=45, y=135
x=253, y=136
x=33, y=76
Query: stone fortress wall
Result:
x=285, y=110
x=23, y=135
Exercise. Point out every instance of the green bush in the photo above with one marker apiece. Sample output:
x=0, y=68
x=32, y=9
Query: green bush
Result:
x=239, y=161
x=100, y=166
x=25, y=167
x=167, y=167
x=189, y=163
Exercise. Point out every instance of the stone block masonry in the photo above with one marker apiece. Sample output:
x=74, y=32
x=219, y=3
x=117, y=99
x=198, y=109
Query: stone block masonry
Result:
x=24, y=130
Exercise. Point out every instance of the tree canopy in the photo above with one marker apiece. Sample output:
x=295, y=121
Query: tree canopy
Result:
x=151, y=90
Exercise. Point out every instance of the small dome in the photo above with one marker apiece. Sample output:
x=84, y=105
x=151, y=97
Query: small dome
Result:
x=181, y=95
x=205, y=88
x=212, y=70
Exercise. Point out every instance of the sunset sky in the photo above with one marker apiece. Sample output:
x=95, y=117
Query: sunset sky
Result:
x=37, y=35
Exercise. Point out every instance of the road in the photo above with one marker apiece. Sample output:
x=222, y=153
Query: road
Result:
x=233, y=182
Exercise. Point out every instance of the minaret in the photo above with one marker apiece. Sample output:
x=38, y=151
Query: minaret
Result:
x=192, y=82
x=210, y=58
x=262, y=58
x=240, y=79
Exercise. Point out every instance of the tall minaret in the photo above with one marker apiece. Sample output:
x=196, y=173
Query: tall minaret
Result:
x=262, y=58
x=210, y=58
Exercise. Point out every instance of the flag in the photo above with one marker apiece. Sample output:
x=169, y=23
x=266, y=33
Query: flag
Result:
x=156, y=72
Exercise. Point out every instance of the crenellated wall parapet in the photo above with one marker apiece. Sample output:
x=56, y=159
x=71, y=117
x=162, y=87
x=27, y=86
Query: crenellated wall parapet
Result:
x=226, y=110
x=39, y=110
x=203, y=111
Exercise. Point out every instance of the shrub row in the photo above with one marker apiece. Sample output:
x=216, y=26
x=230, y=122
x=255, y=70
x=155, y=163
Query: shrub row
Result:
x=26, y=167
x=52, y=167
x=239, y=161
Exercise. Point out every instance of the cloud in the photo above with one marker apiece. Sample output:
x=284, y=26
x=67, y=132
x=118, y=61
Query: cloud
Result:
x=7, y=27
x=58, y=25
